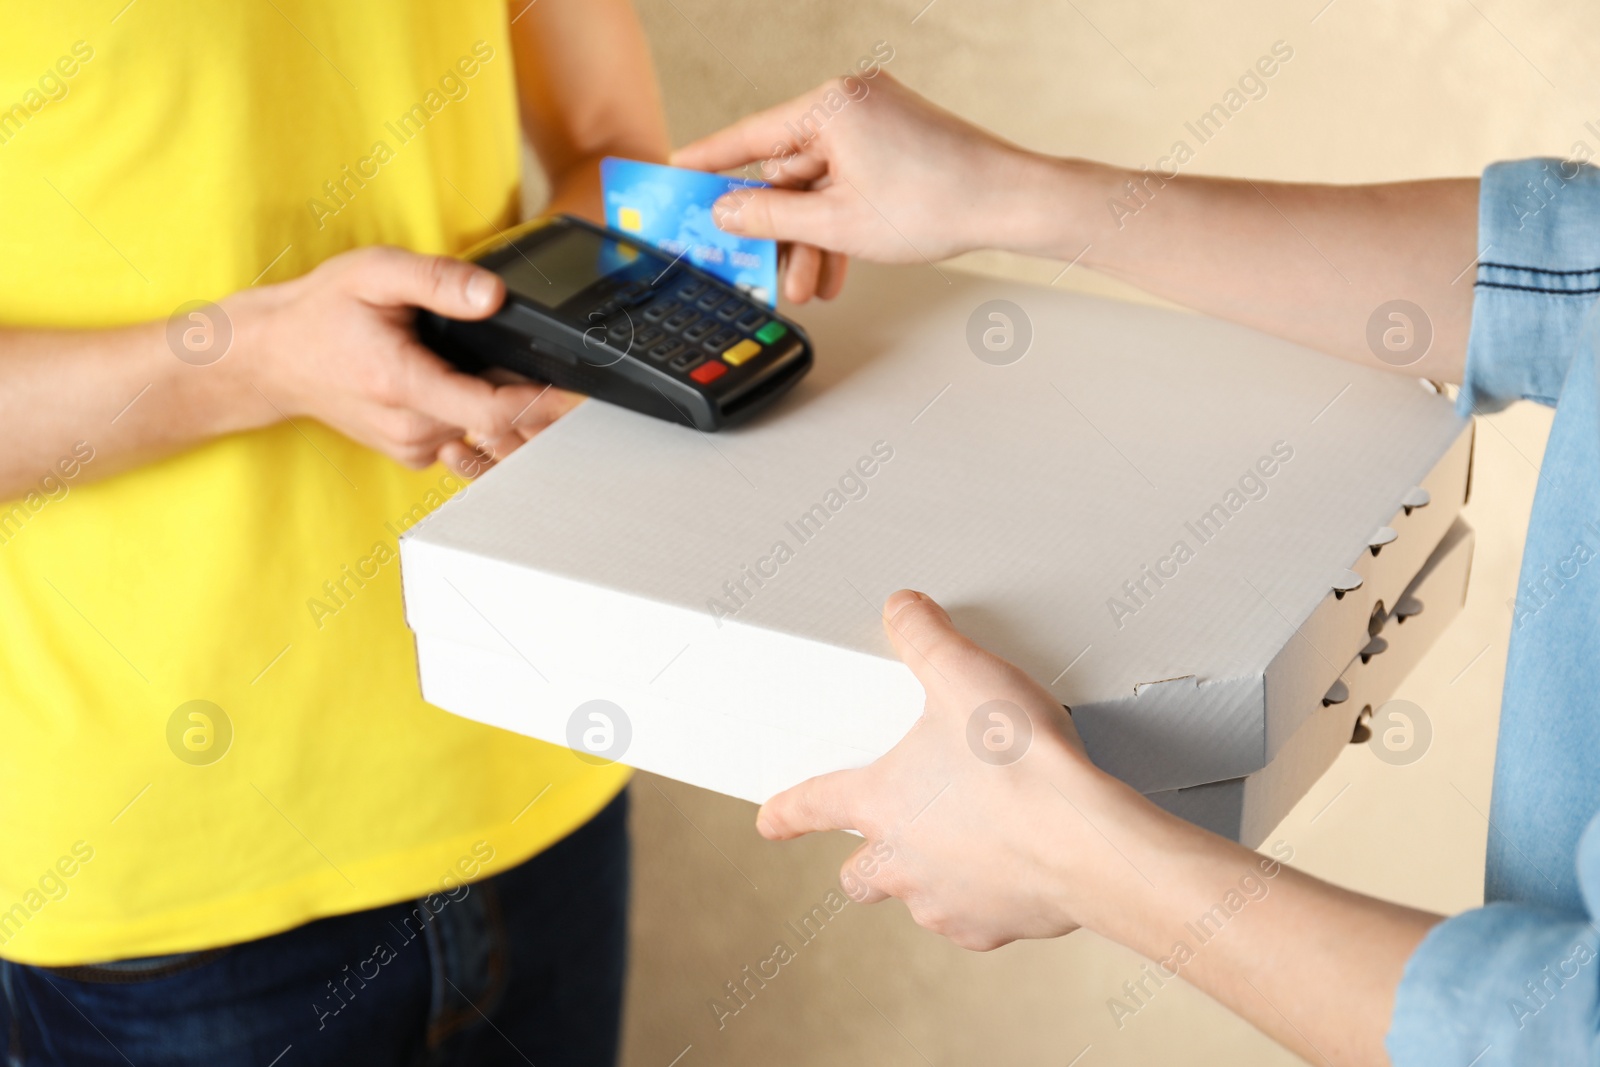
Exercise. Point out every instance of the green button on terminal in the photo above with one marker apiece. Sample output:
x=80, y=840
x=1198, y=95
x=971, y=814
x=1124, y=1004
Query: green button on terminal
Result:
x=771, y=332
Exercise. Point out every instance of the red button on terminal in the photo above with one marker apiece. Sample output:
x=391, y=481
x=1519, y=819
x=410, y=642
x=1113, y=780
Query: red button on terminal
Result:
x=706, y=373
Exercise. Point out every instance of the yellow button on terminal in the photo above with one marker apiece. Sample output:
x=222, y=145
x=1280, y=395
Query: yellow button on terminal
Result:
x=742, y=352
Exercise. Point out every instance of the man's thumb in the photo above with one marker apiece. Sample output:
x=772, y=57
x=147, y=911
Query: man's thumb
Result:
x=393, y=277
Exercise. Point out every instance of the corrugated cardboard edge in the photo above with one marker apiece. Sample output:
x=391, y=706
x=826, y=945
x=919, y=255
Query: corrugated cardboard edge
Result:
x=1167, y=733
x=1247, y=809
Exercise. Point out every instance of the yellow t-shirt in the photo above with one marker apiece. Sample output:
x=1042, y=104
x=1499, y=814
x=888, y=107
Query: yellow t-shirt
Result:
x=155, y=153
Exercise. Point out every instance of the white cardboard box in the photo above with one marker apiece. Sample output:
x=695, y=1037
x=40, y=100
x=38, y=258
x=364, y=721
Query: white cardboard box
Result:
x=1246, y=809
x=622, y=558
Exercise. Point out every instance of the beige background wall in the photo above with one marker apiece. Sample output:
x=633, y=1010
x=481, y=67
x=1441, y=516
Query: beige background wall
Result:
x=1374, y=91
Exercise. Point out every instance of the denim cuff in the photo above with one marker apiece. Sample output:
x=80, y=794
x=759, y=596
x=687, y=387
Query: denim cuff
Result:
x=1538, y=276
x=1506, y=984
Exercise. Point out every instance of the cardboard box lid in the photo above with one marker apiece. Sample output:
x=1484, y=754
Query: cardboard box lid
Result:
x=1030, y=498
x=1247, y=809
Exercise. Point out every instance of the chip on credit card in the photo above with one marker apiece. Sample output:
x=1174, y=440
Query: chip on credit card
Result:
x=670, y=208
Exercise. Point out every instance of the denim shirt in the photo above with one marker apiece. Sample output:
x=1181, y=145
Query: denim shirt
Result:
x=1518, y=980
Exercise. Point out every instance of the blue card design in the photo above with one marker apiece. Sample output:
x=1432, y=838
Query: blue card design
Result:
x=670, y=208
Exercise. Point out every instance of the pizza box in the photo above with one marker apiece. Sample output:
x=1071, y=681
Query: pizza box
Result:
x=1181, y=526
x=1247, y=809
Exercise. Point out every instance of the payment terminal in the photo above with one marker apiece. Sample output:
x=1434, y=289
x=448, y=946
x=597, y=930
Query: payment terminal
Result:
x=595, y=311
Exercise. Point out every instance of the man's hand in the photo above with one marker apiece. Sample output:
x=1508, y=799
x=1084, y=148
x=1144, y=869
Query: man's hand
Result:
x=977, y=818
x=337, y=345
x=864, y=168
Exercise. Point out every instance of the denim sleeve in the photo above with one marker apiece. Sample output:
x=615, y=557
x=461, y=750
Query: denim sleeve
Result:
x=1505, y=985
x=1538, y=275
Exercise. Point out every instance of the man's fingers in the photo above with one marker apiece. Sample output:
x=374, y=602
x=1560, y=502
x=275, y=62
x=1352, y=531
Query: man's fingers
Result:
x=809, y=217
x=822, y=803
x=545, y=406
x=532, y=404
x=392, y=277
x=922, y=635
x=499, y=417
x=498, y=448
x=463, y=459
x=428, y=384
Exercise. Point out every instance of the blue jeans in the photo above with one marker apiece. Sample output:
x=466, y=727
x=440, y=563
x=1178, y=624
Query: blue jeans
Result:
x=524, y=967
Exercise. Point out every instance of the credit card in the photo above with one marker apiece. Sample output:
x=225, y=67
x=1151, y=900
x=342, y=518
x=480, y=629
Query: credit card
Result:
x=670, y=208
